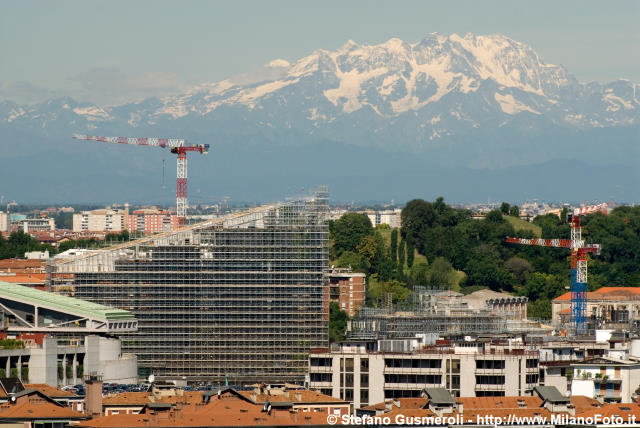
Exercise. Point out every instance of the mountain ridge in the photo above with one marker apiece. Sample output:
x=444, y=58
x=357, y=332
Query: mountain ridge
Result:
x=473, y=102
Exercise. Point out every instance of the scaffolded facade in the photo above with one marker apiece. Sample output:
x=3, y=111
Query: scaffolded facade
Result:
x=240, y=299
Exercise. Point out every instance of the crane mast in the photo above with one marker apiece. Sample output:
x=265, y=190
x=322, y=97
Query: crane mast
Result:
x=579, y=251
x=177, y=146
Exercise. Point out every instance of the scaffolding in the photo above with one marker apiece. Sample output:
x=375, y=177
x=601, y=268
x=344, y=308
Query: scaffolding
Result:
x=427, y=311
x=240, y=298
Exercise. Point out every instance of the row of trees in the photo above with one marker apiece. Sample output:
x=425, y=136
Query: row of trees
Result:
x=19, y=243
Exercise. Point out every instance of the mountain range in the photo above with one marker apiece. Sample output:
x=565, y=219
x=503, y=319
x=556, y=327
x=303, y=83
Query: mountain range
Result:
x=470, y=118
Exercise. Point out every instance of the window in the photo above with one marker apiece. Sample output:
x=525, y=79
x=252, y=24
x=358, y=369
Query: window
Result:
x=532, y=378
x=349, y=364
x=532, y=363
x=348, y=379
x=364, y=397
x=320, y=377
x=413, y=363
x=364, y=380
x=364, y=365
x=489, y=380
x=348, y=396
x=490, y=364
x=413, y=378
x=321, y=362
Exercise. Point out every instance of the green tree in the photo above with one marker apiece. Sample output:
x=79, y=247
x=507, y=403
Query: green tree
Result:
x=394, y=245
x=337, y=322
x=401, y=252
x=410, y=251
x=539, y=309
x=542, y=286
x=514, y=211
x=418, y=274
x=504, y=208
x=348, y=231
x=366, y=250
x=352, y=260
x=484, y=268
x=441, y=274
x=519, y=268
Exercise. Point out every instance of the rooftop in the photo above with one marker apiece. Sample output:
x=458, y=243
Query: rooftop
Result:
x=60, y=303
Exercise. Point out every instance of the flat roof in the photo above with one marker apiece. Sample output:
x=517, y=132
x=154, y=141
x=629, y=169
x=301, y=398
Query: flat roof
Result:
x=62, y=303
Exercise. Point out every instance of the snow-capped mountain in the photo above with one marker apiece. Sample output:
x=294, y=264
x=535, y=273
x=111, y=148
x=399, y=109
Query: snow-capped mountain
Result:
x=472, y=101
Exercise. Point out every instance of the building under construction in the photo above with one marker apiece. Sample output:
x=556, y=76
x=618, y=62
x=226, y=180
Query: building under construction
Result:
x=241, y=298
x=443, y=312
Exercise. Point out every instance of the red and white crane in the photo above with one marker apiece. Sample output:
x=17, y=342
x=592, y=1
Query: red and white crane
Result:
x=177, y=146
x=579, y=252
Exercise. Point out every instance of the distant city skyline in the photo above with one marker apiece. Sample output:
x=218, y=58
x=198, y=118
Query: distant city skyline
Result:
x=121, y=51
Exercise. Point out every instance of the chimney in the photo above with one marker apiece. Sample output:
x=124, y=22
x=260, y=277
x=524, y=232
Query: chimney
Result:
x=93, y=397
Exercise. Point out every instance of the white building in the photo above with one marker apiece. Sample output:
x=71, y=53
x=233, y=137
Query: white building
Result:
x=363, y=374
x=104, y=220
x=38, y=225
x=4, y=222
x=390, y=217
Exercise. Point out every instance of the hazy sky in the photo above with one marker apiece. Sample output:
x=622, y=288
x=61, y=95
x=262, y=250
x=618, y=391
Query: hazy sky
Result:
x=115, y=50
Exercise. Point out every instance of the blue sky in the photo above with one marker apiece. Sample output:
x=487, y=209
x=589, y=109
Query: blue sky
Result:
x=91, y=49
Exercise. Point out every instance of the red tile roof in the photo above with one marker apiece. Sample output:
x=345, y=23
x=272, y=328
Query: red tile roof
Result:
x=38, y=408
x=143, y=398
x=51, y=391
x=606, y=293
x=293, y=396
x=27, y=278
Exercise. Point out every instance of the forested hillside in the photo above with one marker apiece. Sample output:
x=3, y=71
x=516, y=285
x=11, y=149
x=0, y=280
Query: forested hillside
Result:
x=437, y=242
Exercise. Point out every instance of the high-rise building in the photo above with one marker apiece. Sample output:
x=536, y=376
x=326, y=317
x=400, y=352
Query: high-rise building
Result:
x=241, y=298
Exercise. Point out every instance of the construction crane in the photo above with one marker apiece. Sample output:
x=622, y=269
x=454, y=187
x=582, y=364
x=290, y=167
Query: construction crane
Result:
x=579, y=251
x=177, y=146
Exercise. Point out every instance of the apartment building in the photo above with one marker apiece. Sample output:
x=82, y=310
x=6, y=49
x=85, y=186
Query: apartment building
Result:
x=389, y=217
x=347, y=289
x=152, y=221
x=365, y=373
x=99, y=221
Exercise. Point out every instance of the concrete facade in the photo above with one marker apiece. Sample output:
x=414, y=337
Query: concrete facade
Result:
x=99, y=221
x=364, y=376
x=57, y=363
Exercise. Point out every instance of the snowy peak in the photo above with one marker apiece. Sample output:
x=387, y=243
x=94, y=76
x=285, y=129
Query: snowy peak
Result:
x=440, y=87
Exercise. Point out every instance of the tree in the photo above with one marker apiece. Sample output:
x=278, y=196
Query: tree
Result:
x=337, y=322
x=410, y=251
x=484, y=268
x=514, y=211
x=543, y=286
x=416, y=216
x=519, y=268
x=401, y=252
x=352, y=260
x=504, y=208
x=418, y=275
x=441, y=274
x=539, y=309
x=348, y=231
x=366, y=250
x=394, y=245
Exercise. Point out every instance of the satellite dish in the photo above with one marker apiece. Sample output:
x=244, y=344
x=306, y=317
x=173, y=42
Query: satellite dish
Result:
x=151, y=378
